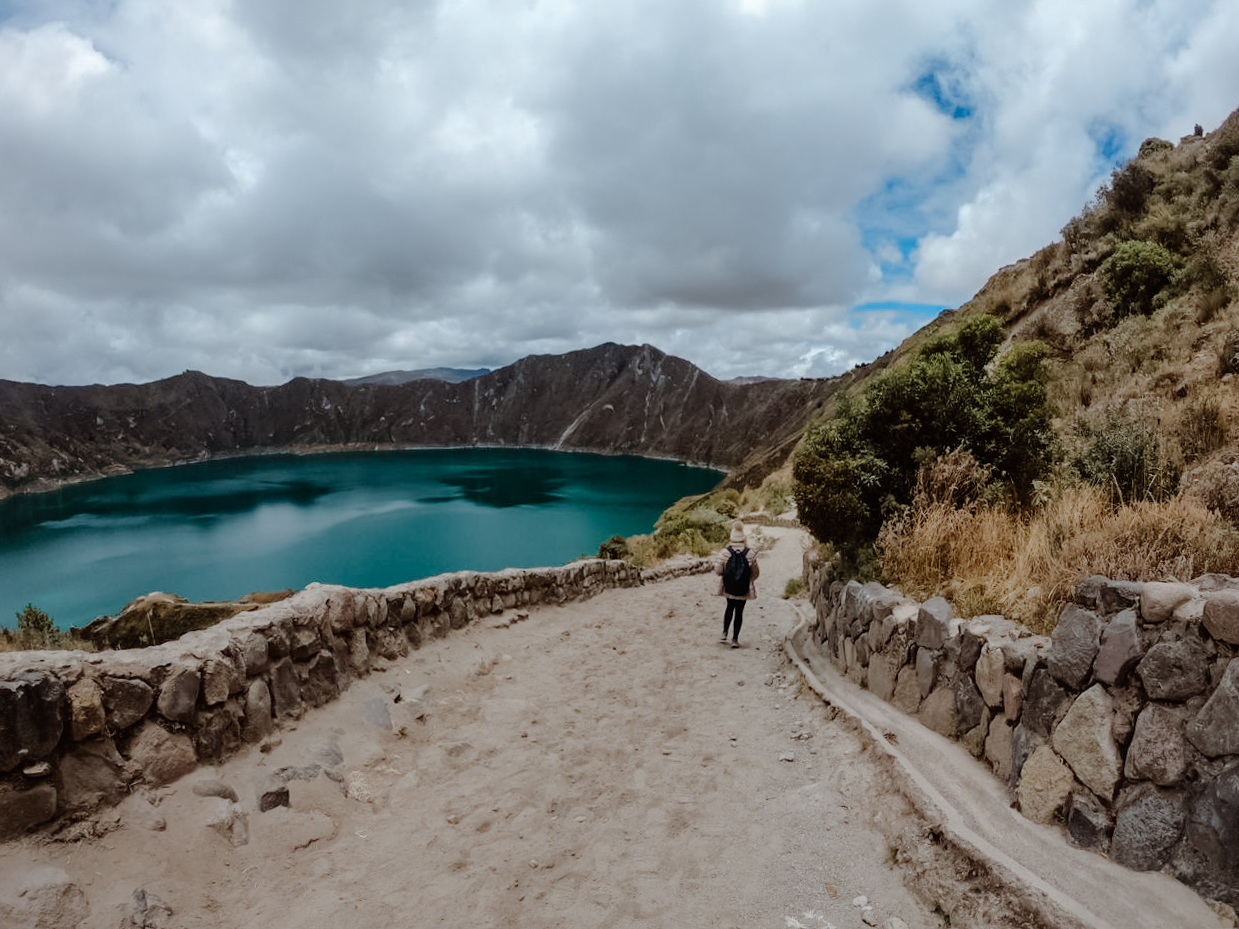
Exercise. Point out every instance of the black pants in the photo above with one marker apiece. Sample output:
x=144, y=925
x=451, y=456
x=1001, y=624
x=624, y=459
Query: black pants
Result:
x=733, y=616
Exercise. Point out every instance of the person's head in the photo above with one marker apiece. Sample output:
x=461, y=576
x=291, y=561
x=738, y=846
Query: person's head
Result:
x=737, y=532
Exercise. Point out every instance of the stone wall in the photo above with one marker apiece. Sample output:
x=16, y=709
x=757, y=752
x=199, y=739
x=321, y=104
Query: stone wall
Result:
x=78, y=729
x=1123, y=726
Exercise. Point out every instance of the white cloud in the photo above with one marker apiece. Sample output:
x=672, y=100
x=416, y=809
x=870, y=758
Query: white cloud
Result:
x=269, y=189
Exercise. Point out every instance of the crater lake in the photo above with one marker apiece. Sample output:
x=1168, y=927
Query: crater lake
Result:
x=220, y=529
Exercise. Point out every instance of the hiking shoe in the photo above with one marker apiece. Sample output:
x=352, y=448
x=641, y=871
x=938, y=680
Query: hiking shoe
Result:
x=723, y=640
x=735, y=644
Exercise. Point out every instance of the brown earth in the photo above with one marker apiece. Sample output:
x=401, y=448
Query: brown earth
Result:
x=605, y=763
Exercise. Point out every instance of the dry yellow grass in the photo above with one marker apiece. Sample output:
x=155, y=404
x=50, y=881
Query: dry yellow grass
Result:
x=988, y=559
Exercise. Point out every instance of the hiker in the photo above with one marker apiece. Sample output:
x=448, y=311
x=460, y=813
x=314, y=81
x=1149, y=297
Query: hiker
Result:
x=737, y=570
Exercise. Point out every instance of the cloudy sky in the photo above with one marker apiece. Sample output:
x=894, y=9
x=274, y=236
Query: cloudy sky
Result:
x=265, y=189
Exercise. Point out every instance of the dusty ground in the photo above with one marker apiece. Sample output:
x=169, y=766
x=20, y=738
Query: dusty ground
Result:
x=605, y=763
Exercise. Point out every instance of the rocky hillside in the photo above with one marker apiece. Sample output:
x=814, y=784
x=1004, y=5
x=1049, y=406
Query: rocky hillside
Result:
x=1137, y=302
x=1138, y=297
x=613, y=398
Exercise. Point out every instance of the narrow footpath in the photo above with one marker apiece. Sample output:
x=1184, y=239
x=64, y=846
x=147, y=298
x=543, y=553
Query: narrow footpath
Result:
x=599, y=764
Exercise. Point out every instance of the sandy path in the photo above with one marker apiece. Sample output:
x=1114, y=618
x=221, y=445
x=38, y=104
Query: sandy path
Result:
x=604, y=763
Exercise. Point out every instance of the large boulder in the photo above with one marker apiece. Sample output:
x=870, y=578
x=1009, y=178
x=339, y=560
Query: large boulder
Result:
x=938, y=713
x=990, y=668
x=1215, y=730
x=933, y=623
x=91, y=775
x=1158, y=750
x=86, y=715
x=32, y=718
x=1175, y=670
x=23, y=809
x=1120, y=650
x=1158, y=600
x=1076, y=640
x=1211, y=840
x=1045, y=784
x=1084, y=741
x=1088, y=821
x=125, y=701
x=882, y=674
x=162, y=756
x=1044, y=703
x=1148, y=822
x=258, y=722
x=1221, y=615
x=178, y=695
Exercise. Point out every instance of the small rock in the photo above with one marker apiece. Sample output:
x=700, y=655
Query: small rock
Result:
x=867, y=917
x=230, y=822
x=306, y=773
x=357, y=787
x=860, y=901
x=42, y=769
x=215, y=788
x=142, y=814
x=787, y=756
x=272, y=792
x=269, y=744
x=894, y=923
x=145, y=911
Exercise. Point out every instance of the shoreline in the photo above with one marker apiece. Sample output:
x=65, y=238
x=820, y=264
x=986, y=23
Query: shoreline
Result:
x=41, y=485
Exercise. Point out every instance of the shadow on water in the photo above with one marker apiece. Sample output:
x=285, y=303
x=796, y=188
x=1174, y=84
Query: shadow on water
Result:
x=210, y=500
x=504, y=487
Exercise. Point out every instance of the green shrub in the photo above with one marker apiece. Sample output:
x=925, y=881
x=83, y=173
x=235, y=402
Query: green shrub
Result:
x=36, y=630
x=1129, y=188
x=1202, y=427
x=776, y=497
x=1136, y=274
x=857, y=469
x=614, y=548
x=1125, y=458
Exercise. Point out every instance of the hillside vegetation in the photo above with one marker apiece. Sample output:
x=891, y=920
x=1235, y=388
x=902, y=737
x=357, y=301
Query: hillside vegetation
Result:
x=1091, y=435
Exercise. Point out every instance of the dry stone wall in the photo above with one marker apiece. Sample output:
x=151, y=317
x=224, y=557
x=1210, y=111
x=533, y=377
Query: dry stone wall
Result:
x=79, y=729
x=1123, y=726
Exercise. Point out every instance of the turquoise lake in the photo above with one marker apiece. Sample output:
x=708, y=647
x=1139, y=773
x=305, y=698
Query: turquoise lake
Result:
x=221, y=529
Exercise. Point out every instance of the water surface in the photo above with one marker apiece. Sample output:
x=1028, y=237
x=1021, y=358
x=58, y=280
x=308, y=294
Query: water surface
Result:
x=221, y=529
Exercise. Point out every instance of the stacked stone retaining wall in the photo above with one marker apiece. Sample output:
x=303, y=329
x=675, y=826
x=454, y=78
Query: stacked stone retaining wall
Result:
x=79, y=729
x=1123, y=725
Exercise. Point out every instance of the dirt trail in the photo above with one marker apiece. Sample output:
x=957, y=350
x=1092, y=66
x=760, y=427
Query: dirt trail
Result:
x=605, y=763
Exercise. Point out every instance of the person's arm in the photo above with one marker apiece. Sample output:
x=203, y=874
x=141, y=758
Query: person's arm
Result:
x=753, y=564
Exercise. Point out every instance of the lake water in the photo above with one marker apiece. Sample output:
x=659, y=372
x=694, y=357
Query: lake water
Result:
x=219, y=530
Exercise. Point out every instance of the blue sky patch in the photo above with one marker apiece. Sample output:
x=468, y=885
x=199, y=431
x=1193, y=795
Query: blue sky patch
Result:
x=942, y=85
x=1110, y=142
x=919, y=313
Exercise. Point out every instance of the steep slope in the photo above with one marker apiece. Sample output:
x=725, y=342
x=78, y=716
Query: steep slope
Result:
x=619, y=399
x=1151, y=339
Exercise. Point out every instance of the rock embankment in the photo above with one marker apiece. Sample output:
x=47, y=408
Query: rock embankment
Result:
x=1124, y=725
x=78, y=730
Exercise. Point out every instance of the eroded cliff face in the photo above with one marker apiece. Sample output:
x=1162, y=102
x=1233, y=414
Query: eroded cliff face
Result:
x=613, y=398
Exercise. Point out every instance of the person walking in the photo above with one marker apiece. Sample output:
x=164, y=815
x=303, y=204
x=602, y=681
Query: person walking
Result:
x=737, y=570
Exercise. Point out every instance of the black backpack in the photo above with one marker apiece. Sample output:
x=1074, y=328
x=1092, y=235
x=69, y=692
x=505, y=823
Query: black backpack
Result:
x=737, y=574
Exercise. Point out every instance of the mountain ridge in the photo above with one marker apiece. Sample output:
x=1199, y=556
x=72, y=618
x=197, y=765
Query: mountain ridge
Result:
x=610, y=398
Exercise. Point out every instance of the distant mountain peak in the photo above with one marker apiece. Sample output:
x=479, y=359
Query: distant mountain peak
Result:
x=393, y=378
